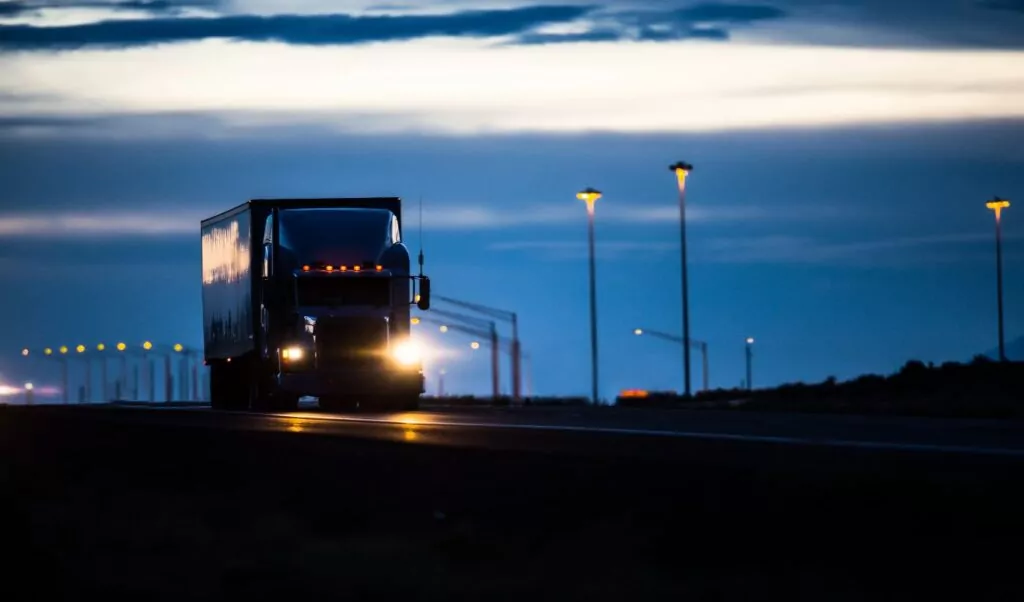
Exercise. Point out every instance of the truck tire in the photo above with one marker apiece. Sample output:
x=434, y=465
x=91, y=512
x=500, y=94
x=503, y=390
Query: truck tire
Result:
x=338, y=403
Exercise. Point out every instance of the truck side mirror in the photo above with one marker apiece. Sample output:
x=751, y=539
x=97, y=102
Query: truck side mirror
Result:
x=424, y=297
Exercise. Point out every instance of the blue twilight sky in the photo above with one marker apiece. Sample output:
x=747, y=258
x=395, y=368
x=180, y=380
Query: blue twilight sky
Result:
x=843, y=150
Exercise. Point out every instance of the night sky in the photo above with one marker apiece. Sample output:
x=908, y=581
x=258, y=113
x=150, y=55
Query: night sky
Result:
x=843, y=154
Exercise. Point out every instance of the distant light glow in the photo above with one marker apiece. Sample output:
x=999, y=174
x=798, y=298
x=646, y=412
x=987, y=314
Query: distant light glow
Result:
x=178, y=347
x=750, y=341
x=80, y=349
x=25, y=352
x=443, y=329
x=101, y=347
x=474, y=345
x=29, y=386
x=638, y=331
x=63, y=350
x=147, y=346
x=293, y=354
x=47, y=351
x=121, y=346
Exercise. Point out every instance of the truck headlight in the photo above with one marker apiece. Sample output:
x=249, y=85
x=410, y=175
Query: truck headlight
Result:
x=293, y=354
x=406, y=353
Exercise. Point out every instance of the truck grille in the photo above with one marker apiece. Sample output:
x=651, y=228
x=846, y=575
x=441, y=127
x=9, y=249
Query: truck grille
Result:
x=350, y=341
x=336, y=291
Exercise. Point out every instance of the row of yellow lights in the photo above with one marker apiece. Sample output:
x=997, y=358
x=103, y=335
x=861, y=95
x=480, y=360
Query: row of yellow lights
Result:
x=63, y=350
x=342, y=268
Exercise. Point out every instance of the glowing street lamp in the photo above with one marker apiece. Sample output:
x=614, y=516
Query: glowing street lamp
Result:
x=590, y=197
x=474, y=345
x=997, y=205
x=47, y=351
x=682, y=170
x=24, y=352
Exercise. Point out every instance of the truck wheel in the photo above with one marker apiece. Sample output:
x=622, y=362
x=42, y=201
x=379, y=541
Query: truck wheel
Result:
x=226, y=392
x=338, y=403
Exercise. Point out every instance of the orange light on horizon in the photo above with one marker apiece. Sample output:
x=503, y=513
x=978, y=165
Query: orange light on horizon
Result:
x=306, y=268
x=635, y=394
x=329, y=268
x=357, y=268
x=380, y=268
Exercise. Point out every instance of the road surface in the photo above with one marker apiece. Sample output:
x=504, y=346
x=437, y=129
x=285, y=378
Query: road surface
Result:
x=507, y=504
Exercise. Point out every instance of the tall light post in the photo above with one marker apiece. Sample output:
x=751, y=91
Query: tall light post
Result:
x=29, y=393
x=64, y=371
x=150, y=370
x=750, y=356
x=590, y=196
x=88, y=374
x=997, y=205
x=702, y=345
x=101, y=348
x=122, y=385
x=683, y=169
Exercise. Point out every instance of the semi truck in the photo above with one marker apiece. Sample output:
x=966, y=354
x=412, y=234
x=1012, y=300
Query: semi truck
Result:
x=311, y=298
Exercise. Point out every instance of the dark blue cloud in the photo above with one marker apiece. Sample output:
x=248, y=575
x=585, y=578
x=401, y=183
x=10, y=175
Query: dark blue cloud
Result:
x=702, y=21
x=291, y=29
x=10, y=9
x=729, y=13
x=1010, y=5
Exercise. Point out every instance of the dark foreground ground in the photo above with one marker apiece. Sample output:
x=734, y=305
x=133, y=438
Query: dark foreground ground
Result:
x=123, y=503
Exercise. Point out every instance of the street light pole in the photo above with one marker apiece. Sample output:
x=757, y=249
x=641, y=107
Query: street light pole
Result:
x=750, y=355
x=590, y=196
x=702, y=345
x=683, y=169
x=997, y=205
x=506, y=316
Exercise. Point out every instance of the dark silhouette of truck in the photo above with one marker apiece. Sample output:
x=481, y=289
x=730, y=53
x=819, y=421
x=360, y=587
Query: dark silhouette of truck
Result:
x=311, y=297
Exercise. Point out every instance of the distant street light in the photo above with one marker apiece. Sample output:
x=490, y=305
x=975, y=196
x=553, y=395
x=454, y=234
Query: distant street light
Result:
x=474, y=345
x=29, y=393
x=25, y=352
x=683, y=169
x=590, y=196
x=103, y=372
x=702, y=345
x=750, y=355
x=997, y=205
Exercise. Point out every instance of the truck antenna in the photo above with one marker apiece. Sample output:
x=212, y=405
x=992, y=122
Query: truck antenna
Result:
x=421, y=235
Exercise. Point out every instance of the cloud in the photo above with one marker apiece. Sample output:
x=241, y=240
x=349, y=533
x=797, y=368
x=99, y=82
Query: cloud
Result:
x=15, y=8
x=729, y=13
x=459, y=86
x=788, y=249
x=437, y=217
x=315, y=30
x=773, y=249
x=98, y=224
x=1007, y=5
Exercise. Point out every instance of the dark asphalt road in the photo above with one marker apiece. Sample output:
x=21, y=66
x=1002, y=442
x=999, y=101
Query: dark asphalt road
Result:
x=508, y=504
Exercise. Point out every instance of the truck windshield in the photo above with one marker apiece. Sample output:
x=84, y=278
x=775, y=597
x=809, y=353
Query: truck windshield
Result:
x=340, y=236
x=334, y=291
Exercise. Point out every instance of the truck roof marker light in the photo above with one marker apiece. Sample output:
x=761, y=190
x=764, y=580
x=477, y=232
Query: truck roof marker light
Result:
x=344, y=268
x=329, y=268
x=305, y=268
x=380, y=268
x=357, y=268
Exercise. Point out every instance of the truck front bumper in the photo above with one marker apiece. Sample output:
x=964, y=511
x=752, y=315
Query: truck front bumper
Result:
x=322, y=383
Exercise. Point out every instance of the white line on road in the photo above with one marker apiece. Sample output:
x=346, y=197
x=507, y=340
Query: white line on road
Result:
x=783, y=440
